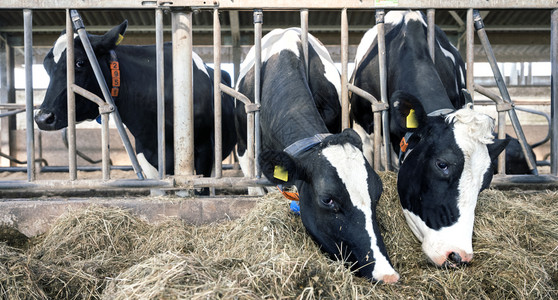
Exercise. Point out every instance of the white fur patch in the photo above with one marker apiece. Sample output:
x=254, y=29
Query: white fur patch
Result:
x=286, y=39
x=472, y=131
x=199, y=63
x=349, y=163
x=414, y=16
x=148, y=169
x=270, y=46
x=60, y=46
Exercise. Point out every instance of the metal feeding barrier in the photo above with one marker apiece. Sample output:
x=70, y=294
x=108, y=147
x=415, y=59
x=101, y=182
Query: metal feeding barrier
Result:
x=181, y=16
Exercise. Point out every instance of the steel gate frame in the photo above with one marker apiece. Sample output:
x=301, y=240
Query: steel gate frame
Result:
x=181, y=18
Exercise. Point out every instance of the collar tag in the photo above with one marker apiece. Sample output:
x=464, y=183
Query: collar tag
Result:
x=305, y=144
x=115, y=74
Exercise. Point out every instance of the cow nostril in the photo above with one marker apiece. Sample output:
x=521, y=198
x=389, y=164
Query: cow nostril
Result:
x=44, y=118
x=456, y=259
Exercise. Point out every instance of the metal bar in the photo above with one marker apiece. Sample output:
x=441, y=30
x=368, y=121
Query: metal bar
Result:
x=282, y=4
x=105, y=146
x=554, y=91
x=53, y=185
x=479, y=27
x=304, y=37
x=345, y=121
x=377, y=123
x=183, y=93
x=70, y=79
x=87, y=94
x=249, y=127
x=470, y=49
x=28, y=45
x=217, y=94
x=431, y=36
x=78, y=24
x=160, y=57
x=383, y=85
x=12, y=113
x=258, y=21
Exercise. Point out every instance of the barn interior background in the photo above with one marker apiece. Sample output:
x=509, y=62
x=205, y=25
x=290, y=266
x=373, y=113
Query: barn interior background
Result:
x=520, y=34
x=520, y=39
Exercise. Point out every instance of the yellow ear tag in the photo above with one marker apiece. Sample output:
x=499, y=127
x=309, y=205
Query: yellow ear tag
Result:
x=280, y=173
x=412, y=119
x=120, y=38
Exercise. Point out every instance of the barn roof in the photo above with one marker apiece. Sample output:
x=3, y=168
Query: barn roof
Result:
x=516, y=34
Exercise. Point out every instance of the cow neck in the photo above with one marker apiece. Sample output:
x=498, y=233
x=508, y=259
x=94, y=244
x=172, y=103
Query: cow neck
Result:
x=404, y=149
x=305, y=144
x=114, y=66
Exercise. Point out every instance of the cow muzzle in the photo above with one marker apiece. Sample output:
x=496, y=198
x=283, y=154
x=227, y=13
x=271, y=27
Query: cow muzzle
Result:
x=453, y=259
x=45, y=120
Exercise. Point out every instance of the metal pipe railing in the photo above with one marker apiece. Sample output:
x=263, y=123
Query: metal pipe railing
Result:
x=258, y=22
x=431, y=35
x=377, y=108
x=345, y=120
x=183, y=93
x=160, y=58
x=30, y=132
x=218, y=133
x=554, y=91
x=304, y=38
x=71, y=99
x=470, y=50
x=501, y=107
x=479, y=27
x=383, y=85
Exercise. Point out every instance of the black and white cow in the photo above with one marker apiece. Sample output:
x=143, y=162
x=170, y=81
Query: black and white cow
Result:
x=445, y=149
x=338, y=189
x=136, y=101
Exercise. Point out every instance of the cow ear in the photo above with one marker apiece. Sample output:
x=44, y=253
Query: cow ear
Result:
x=111, y=39
x=279, y=167
x=408, y=114
x=497, y=147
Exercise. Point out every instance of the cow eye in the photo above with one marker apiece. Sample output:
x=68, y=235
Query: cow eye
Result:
x=442, y=165
x=80, y=63
x=328, y=202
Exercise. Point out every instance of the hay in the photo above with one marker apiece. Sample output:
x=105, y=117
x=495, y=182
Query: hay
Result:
x=108, y=253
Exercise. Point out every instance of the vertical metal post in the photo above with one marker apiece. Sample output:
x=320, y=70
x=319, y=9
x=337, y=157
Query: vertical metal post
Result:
x=183, y=93
x=160, y=57
x=304, y=36
x=105, y=146
x=470, y=49
x=554, y=91
x=70, y=79
x=479, y=27
x=28, y=50
x=431, y=37
x=258, y=22
x=383, y=84
x=345, y=121
x=217, y=93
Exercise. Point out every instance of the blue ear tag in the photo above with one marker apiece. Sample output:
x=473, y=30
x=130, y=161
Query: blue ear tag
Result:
x=295, y=208
x=98, y=119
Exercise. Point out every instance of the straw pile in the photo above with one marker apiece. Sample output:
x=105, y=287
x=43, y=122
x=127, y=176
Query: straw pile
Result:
x=107, y=253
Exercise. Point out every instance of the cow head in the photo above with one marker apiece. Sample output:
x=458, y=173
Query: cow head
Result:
x=53, y=114
x=338, y=193
x=445, y=166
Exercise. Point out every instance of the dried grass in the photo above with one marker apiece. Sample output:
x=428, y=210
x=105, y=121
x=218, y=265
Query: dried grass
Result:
x=108, y=253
